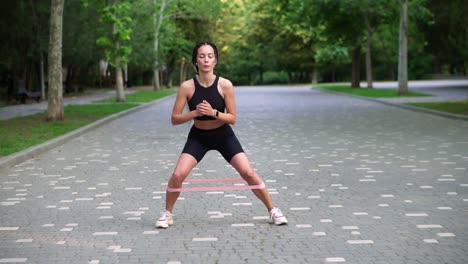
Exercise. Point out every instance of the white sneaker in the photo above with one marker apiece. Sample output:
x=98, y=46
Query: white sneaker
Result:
x=277, y=217
x=165, y=220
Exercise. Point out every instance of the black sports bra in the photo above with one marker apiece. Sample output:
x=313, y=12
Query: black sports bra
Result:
x=210, y=94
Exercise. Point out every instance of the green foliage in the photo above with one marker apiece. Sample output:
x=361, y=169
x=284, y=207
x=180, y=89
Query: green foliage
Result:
x=181, y=24
x=446, y=34
x=253, y=37
x=332, y=54
x=117, y=15
x=80, y=32
x=270, y=77
x=24, y=27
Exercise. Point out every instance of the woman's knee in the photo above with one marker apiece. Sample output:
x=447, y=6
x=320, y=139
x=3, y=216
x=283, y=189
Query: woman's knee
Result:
x=249, y=175
x=177, y=178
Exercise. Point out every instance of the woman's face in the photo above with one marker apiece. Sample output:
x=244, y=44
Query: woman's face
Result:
x=206, y=59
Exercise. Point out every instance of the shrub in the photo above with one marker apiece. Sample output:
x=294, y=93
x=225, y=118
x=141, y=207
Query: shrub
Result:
x=270, y=77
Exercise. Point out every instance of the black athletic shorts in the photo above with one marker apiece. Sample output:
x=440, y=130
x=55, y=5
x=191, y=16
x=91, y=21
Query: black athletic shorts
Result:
x=222, y=139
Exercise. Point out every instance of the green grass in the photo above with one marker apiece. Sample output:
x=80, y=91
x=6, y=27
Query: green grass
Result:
x=460, y=108
x=374, y=93
x=450, y=107
x=20, y=133
x=142, y=96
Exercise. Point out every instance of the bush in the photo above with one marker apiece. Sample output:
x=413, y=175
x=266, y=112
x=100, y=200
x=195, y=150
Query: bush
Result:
x=275, y=77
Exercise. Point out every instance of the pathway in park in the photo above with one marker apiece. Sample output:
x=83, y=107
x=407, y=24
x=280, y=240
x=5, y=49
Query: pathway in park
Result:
x=360, y=182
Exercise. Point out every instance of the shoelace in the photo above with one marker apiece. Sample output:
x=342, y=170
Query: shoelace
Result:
x=165, y=216
x=275, y=212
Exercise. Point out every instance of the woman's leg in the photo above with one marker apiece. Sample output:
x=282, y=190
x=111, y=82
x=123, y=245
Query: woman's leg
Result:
x=241, y=163
x=183, y=167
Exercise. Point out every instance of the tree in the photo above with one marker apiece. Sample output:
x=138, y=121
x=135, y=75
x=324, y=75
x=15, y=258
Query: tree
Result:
x=403, y=49
x=38, y=35
x=55, y=91
x=26, y=24
x=339, y=22
x=117, y=49
x=80, y=51
x=447, y=36
x=168, y=12
x=158, y=20
x=254, y=37
x=266, y=36
x=332, y=55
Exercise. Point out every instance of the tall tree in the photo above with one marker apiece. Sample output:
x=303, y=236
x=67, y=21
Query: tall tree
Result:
x=168, y=12
x=26, y=36
x=158, y=19
x=343, y=23
x=403, y=49
x=117, y=48
x=55, y=91
x=447, y=36
x=374, y=13
x=38, y=35
x=81, y=53
x=331, y=56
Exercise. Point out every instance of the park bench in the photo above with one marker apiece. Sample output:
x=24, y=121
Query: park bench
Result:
x=22, y=95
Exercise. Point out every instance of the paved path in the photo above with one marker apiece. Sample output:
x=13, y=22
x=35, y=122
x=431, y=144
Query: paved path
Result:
x=360, y=181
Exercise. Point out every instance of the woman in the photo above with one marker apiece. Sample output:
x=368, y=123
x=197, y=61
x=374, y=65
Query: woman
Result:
x=212, y=106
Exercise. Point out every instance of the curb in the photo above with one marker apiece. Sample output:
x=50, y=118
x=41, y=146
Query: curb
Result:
x=29, y=153
x=402, y=105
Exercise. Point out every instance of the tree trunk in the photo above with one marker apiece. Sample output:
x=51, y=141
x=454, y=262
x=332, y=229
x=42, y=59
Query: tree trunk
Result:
x=356, y=68
x=403, y=50
x=315, y=74
x=391, y=73
x=158, y=20
x=125, y=75
x=37, y=31
x=368, y=54
x=43, y=97
x=55, y=91
x=118, y=75
x=156, y=81
x=66, y=75
x=119, y=81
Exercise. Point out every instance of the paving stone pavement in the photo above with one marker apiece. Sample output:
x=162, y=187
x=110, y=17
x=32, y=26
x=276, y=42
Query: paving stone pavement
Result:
x=360, y=182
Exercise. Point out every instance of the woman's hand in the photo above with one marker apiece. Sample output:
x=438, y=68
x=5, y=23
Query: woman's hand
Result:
x=205, y=108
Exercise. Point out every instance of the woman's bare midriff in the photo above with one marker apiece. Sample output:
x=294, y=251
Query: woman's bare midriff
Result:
x=208, y=124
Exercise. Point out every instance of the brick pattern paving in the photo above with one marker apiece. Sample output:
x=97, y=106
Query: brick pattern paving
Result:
x=360, y=182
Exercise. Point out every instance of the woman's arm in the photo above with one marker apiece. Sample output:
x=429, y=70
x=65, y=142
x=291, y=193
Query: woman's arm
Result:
x=178, y=116
x=230, y=100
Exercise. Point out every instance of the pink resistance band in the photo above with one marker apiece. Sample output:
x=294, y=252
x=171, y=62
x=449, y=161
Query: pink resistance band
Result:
x=215, y=188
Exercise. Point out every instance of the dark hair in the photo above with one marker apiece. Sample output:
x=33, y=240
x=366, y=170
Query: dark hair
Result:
x=195, y=52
